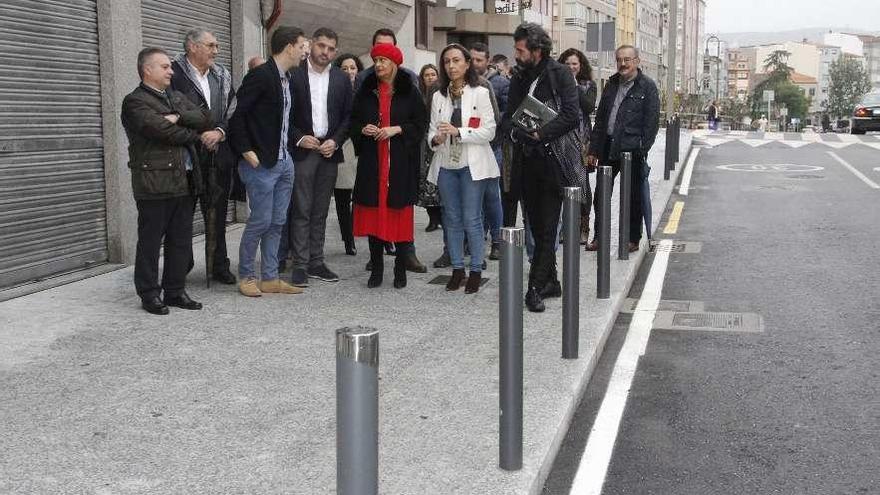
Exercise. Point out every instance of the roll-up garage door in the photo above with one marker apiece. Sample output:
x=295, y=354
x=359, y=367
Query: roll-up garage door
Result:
x=165, y=23
x=52, y=202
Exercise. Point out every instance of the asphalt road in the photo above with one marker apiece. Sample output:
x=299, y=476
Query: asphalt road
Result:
x=790, y=234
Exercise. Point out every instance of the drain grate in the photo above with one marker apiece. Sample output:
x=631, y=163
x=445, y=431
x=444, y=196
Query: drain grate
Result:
x=709, y=322
x=630, y=304
x=677, y=247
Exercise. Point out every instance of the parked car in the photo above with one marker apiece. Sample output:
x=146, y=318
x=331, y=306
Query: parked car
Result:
x=866, y=115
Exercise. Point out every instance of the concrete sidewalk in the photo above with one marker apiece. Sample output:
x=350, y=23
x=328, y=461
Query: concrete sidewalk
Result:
x=100, y=397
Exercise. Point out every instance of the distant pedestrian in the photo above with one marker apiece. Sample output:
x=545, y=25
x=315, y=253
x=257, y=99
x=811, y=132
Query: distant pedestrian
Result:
x=163, y=129
x=387, y=126
x=627, y=120
x=712, y=116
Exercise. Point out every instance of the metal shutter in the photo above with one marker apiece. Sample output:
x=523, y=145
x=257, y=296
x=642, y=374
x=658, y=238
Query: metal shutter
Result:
x=165, y=23
x=52, y=202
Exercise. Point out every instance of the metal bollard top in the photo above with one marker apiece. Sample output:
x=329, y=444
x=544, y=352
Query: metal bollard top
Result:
x=513, y=235
x=360, y=344
x=572, y=192
x=605, y=170
x=627, y=155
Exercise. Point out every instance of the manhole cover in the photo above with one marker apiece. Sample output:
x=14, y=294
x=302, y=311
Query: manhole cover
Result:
x=676, y=247
x=444, y=279
x=805, y=176
x=709, y=322
x=630, y=304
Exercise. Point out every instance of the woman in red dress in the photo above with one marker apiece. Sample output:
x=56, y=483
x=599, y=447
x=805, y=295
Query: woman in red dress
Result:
x=387, y=125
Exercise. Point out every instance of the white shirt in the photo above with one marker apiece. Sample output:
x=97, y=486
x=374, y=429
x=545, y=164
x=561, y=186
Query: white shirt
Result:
x=319, y=83
x=202, y=79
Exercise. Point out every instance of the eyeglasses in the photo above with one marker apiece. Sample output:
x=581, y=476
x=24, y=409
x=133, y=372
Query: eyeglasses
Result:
x=626, y=60
x=212, y=46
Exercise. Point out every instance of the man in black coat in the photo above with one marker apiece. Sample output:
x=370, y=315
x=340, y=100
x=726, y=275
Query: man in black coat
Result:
x=322, y=99
x=260, y=133
x=628, y=119
x=541, y=177
x=163, y=128
x=209, y=86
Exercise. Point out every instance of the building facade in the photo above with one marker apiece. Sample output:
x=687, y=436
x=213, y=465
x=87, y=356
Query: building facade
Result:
x=649, y=38
x=626, y=22
x=827, y=55
x=689, y=52
x=739, y=74
x=582, y=24
x=871, y=51
x=66, y=195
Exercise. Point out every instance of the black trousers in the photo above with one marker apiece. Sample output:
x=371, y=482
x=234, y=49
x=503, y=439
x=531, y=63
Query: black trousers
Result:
x=224, y=181
x=168, y=223
x=542, y=201
x=344, y=213
x=509, y=202
x=639, y=167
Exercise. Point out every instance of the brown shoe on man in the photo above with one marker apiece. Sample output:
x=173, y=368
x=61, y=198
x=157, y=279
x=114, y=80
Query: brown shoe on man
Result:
x=248, y=287
x=632, y=247
x=592, y=245
x=279, y=286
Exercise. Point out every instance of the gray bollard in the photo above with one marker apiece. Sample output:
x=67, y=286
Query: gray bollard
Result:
x=625, y=192
x=357, y=411
x=571, y=272
x=510, y=396
x=676, y=139
x=668, y=160
x=603, y=255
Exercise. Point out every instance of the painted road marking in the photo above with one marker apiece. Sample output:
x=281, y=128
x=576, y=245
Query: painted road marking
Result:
x=674, y=218
x=593, y=468
x=769, y=167
x=855, y=172
x=688, y=171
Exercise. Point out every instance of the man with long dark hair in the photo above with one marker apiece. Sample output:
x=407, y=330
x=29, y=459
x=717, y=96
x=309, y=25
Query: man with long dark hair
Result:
x=541, y=177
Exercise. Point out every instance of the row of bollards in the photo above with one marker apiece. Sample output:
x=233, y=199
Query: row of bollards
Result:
x=357, y=349
x=673, y=138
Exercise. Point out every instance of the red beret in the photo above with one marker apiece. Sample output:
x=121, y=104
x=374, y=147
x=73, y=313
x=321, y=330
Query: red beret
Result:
x=388, y=51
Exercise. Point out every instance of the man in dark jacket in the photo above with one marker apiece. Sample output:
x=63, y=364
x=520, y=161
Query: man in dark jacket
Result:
x=628, y=119
x=260, y=133
x=163, y=127
x=541, y=176
x=209, y=86
x=322, y=97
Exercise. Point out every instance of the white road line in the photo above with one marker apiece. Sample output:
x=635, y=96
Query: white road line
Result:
x=855, y=172
x=593, y=468
x=688, y=171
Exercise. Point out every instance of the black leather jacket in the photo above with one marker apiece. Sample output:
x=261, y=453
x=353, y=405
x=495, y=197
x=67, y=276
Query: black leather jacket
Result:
x=638, y=118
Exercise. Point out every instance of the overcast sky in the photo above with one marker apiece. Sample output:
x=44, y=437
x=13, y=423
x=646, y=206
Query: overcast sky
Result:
x=727, y=16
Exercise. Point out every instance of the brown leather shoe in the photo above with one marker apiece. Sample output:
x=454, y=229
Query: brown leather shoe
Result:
x=248, y=287
x=279, y=286
x=633, y=246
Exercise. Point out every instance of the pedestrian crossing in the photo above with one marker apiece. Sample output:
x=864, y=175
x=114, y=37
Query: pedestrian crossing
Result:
x=757, y=139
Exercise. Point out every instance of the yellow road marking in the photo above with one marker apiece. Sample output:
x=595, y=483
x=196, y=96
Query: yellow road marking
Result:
x=674, y=218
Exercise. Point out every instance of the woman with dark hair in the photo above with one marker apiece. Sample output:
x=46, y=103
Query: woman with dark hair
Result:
x=462, y=126
x=387, y=125
x=351, y=65
x=429, y=196
x=580, y=68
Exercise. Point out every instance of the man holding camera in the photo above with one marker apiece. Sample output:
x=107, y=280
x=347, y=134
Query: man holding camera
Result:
x=541, y=178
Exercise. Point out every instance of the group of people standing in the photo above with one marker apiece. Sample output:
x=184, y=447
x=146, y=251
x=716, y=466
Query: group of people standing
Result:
x=309, y=124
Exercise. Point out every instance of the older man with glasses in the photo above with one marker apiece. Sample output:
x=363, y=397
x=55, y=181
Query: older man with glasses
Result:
x=628, y=119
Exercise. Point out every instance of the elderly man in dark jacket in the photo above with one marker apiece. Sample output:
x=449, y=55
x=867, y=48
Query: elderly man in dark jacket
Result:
x=163, y=127
x=542, y=179
x=209, y=85
x=628, y=119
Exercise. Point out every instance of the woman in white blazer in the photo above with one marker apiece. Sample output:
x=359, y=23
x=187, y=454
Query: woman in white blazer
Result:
x=462, y=125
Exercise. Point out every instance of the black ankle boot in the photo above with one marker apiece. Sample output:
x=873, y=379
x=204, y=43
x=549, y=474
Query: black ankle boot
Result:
x=399, y=273
x=376, y=265
x=456, y=279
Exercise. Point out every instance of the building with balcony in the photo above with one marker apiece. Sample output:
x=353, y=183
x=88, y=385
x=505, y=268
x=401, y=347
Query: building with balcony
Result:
x=589, y=26
x=649, y=39
x=738, y=74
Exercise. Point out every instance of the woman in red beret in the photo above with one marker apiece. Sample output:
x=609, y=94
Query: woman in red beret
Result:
x=387, y=126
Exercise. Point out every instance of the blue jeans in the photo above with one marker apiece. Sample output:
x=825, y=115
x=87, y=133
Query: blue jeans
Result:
x=268, y=192
x=462, y=199
x=493, y=213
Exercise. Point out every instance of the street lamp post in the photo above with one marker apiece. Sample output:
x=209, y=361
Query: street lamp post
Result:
x=717, y=60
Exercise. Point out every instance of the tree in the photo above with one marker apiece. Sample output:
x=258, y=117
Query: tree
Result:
x=776, y=64
x=849, y=83
x=778, y=81
x=736, y=110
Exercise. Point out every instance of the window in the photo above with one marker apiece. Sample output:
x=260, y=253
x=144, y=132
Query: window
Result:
x=421, y=17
